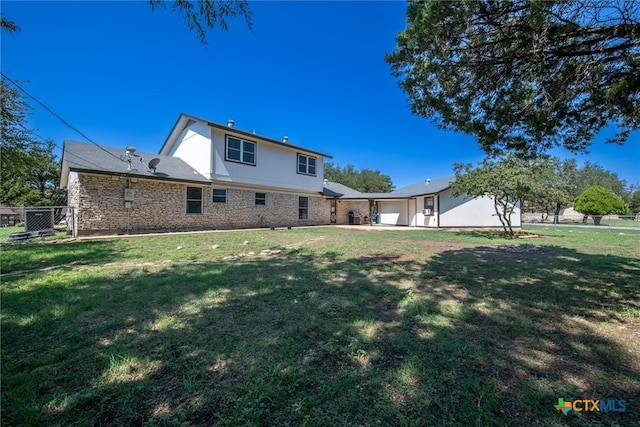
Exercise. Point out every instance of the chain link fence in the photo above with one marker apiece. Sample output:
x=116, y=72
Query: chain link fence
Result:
x=38, y=219
x=573, y=217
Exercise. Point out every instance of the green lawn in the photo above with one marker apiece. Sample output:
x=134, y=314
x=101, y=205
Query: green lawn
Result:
x=605, y=222
x=321, y=326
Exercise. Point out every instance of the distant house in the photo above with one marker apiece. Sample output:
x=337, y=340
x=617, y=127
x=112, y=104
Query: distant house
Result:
x=213, y=176
x=8, y=217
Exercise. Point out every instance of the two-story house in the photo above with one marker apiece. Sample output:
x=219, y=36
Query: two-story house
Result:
x=214, y=176
x=206, y=176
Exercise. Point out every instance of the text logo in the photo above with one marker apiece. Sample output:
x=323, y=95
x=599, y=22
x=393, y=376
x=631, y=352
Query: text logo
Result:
x=586, y=405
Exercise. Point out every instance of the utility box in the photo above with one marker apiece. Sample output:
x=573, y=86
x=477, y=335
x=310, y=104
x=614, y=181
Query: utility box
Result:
x=129, y=194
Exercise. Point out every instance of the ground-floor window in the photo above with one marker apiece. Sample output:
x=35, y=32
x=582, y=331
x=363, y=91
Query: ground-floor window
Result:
x=194, y=200
x=219, y=195
x=429, y=202
x=261, y=199
x=303, y=208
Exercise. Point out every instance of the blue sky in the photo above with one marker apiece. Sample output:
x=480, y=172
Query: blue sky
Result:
x=313, y=71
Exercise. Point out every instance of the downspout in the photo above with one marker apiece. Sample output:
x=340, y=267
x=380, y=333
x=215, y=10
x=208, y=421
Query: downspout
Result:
x=127, y=206
x=437, y=203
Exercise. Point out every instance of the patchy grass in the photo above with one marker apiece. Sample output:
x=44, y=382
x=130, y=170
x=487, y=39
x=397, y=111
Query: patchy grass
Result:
x=321, y=326
x=605, y=222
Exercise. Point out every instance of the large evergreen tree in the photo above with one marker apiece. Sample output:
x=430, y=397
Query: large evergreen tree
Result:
x=523, y=75
x=202, y=14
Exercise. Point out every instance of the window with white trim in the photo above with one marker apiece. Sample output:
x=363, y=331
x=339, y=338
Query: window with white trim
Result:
x=303, y=207
x=219, y=195
x=306, y=165
x=194, y=200
x=240, y=150
x=429, y=202
x=261, y=199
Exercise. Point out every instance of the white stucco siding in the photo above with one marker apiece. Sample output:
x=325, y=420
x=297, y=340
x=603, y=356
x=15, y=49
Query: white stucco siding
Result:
x=194, y=147
x=73, y=176
x=470, y=212
x=275, y=166
x=422, y=220
x=393, y=212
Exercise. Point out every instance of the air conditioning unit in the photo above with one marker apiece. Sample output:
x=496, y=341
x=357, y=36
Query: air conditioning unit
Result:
x=427, y=211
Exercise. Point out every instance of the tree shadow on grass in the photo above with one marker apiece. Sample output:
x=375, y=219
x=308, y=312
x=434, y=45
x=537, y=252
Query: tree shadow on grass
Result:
x=302, y=339
x=489, y=234
x=553, y=323
x=29, y=256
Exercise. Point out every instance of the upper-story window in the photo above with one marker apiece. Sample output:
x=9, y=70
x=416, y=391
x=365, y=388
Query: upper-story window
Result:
x=239, y=150
x=306, y=165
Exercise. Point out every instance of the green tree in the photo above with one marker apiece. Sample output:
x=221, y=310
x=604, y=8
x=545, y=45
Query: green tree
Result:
x=556, y=181
x=197, y=15
x=508, y=181
x=634, y=198
x=5, y=24
x=598, y=201
x=523, y=75
x=365, y=180
x=201, y=14
x=593, y=174
x=29, y=170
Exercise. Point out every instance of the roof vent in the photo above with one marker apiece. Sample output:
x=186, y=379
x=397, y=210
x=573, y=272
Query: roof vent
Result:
x=230, y=123
x=427, y=181
x=285, y=139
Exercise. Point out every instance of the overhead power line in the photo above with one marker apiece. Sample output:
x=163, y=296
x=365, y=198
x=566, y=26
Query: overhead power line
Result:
x=56, y=115
x=49, y=141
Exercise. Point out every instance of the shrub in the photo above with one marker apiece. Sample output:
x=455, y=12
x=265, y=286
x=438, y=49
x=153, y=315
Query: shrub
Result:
x=598, y=201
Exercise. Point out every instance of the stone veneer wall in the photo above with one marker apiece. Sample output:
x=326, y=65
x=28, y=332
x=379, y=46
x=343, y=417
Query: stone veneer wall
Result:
x=344, y=206
x=281, y=209
x=161, y=206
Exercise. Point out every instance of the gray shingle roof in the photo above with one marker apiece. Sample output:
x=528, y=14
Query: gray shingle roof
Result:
x=338, y=190
x=83, y=157
x=422, y=188
x=7, y=211
x=426, y=187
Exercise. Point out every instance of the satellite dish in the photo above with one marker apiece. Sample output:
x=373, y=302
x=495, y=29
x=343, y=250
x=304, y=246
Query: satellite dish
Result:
x=130, y=149
x=153, y=163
